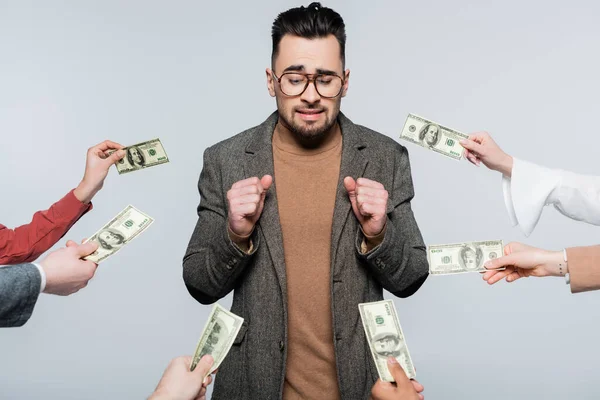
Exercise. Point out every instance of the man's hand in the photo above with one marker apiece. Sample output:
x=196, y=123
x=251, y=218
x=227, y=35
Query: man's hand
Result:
x=246, y=201
x=522, y=261
x=96, y=169
x=369, y=203
x=481, y=148
x=402, y=389
x=65, y=271
x=179, y=383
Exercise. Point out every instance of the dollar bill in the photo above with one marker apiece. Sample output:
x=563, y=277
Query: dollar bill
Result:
x=217, y=336
x=142, y=155
x=385, y=337
x=458, y=258
x=433, y=136
x=121, y=230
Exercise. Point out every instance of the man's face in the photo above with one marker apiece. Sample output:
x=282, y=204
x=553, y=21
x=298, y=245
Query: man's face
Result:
x=431, y=134
x=135, y=155
x=470, y=259
x=386, y=344
x=110, y=238
x=308, y=115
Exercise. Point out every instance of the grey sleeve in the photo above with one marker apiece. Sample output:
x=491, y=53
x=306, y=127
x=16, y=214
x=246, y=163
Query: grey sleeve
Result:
x=19, y=291
x=399, y=262
x=213, y=263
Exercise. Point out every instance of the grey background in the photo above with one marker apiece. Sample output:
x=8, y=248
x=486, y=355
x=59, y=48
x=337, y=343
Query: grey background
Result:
x=73, y=73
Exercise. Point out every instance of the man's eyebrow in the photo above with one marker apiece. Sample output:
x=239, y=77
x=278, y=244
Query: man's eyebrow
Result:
x=295, y=68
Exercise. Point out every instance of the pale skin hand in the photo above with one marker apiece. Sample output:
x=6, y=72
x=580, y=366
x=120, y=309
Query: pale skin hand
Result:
x=66, y=272
x=369, y=203
x=96, y=168
x=179, y=383
x=481, y=148
x=522, y=261
x=246, y=200
x=402, y=389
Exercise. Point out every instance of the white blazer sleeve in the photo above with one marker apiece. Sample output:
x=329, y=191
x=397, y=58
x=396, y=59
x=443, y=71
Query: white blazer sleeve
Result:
x=532, y=187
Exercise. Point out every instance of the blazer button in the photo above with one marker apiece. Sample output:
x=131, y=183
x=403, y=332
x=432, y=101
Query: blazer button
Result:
x=281, y=345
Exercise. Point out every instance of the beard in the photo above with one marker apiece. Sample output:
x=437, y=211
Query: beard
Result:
x=310, y=133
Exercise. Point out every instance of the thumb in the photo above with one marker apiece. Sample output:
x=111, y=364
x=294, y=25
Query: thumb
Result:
x=350, y=185
x=204, y=365
x=266, y=182
x=505, y=261
x=115, y=156
x=86, y=249
x=398, y=373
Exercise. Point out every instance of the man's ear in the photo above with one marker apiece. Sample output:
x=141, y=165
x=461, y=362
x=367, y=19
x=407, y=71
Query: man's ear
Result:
x=270, y=82
x=346, y=82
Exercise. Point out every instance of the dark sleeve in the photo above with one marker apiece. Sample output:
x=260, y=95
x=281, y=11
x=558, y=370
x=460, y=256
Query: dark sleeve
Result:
x=28, y=242
x=399, y=262
x=213, y=263
x=19, y=291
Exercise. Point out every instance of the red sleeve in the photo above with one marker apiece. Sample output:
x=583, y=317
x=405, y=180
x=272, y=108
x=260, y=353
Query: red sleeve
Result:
x=27, y=242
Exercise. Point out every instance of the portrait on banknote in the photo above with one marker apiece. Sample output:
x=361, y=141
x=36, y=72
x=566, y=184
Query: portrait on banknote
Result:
x=216, y=339
x=387, y=344
x=470, y=257
x=135, y=157
x=109, y=239
x=430, y=134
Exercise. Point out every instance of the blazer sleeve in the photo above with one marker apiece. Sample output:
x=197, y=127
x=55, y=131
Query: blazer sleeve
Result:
x=28, y=242
x=584, y=268
x=19, y=291
x=532, y=187
x=399, y=262
x=213, y=263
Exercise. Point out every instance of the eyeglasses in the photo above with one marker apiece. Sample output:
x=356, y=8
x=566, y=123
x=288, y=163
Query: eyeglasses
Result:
x=294, y=84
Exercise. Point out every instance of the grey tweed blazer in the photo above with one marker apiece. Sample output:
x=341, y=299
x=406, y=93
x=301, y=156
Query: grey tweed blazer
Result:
x=213, y=266
x=19, y=291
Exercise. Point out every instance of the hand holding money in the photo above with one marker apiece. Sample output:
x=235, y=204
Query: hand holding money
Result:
x=246, y=200
x=403, y=389
x=522, y=261
x=178, y=382
x=369, y=203
x=480, y=147
x=99, y=159
x=66, y=273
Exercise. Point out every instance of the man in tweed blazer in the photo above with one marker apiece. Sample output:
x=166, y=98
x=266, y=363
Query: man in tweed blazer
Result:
x=304, y=217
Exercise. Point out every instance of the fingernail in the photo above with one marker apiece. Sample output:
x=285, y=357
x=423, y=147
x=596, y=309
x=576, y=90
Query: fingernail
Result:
x=462, y=141
x=392, y=360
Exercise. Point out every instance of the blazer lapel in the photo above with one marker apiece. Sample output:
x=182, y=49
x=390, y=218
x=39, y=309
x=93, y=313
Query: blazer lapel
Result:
x=259, y=162
x=353, y=164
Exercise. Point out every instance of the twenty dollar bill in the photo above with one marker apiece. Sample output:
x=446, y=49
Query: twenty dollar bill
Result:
x=385, y=337
x=142, y=155
x=458, y=258
x=217, y=337
x=121, y=230
x=433, y=136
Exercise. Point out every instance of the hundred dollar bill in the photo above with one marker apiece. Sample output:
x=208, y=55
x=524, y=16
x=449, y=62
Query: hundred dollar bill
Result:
x=385, y=337
x=433, y=136
x=458, y=258
x=217, y=336
x=142, y=155
x=121, y=230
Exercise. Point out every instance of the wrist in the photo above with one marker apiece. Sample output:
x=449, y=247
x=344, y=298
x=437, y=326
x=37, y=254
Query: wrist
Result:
x=506, y=165
x=84, y=192
x=555, y=264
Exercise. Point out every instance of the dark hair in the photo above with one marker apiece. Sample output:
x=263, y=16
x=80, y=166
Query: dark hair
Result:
x=309, y=22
